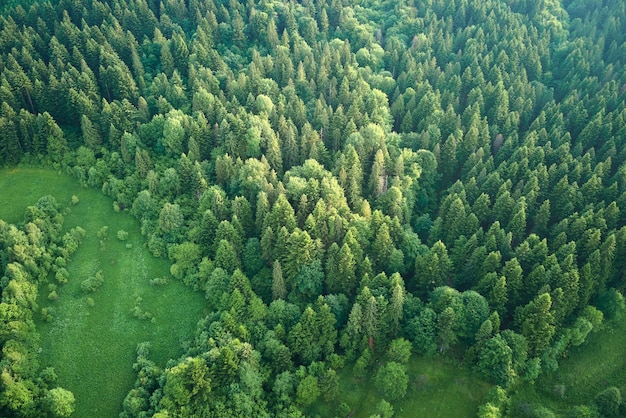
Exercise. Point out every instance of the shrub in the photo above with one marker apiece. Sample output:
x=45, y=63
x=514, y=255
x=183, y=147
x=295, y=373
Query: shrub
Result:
x=159, y=281
x=611, y=303
x=122, y=235
x=46, y=314
x=594, y=316
x=62, y=275
x=543, y=412
x=384, y=409
x=140, y=313
x=608, y=402
x=582, y=411
x=92, y=284
x=103, y=232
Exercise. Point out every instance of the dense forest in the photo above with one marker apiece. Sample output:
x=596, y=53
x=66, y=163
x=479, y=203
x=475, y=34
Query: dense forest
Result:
x=348, y=182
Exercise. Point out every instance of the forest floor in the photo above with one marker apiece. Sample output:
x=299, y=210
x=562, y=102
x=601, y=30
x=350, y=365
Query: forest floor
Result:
x=438, y=388
x=92, y=339
x=583, y=372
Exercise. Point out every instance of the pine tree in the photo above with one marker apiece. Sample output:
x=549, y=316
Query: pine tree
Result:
x=371, y=320
x=446, y=324
x=382, y=247
x=333, y=278
x=10, y=147
x=143, y=164
x=300, y=250
x=378, y=176
x=274, y=155
x=395, y=309
x=347, y=270
x=517, y=225
x=167, y=60
x=448, y=160
x=226, y=257
x=279, y=291
x=536, y=322
x=91, y=136
x=262, y=209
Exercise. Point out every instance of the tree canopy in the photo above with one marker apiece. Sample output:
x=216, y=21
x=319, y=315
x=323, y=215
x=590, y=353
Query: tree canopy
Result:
x=346, y=181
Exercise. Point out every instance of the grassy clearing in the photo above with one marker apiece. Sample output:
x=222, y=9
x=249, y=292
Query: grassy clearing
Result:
x=438, y=387
x=92, y=338
x=585, y=371
x=21, y=187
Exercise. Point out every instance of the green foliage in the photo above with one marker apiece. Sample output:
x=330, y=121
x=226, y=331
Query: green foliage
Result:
x=60, y=402
x=308, y=391
x=185, y=258
x=399, y=351
x=493, y=131
x=422, y=331
x=81, y=317
x=608, y=402
x=392, y=380
x=611, y=303
x=92, y=283
x=495, y=361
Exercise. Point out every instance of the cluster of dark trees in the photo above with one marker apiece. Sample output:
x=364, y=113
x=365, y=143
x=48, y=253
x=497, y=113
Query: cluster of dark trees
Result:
x=347, y=182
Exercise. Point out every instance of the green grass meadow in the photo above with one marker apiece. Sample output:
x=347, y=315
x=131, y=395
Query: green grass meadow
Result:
x=91, y=344
x=438, y=388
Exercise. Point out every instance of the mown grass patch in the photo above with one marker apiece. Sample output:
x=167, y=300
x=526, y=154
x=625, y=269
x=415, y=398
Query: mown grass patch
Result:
x=92, y=337
x=583, y=372
x=438, y=387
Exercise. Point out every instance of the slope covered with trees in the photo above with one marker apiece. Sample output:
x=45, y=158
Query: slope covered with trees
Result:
x=348, y=182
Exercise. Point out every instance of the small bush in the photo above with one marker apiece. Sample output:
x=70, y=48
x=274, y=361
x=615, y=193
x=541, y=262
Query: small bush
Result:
x=75, y=200
x=582, y=411
x=62, y=275
x=78, y=233
x=489, y=410
x=92, y=284
x=594, y=316
x=159, y=281
x=103, y=232
x=53, y=296
x=46, y=314
x=122, y=235
x=60, y=262
x=91, y=302
x=362, y=364
x=611, y=303
x=608, y=402
x=343, y=409
x=141, y=314
x=543, y=412
x=384, y=409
